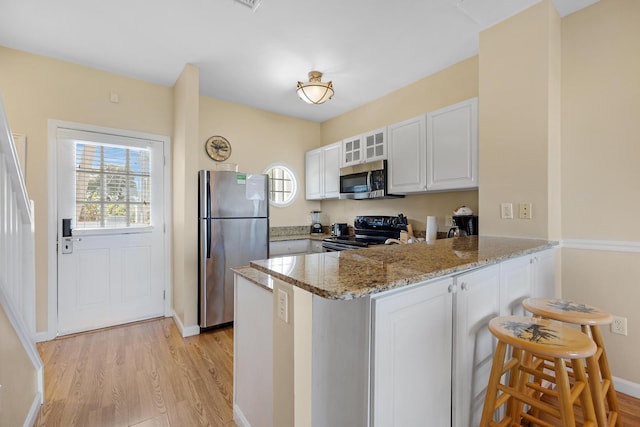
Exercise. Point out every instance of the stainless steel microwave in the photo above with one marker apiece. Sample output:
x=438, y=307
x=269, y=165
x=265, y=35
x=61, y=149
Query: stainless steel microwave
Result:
x=365, y=181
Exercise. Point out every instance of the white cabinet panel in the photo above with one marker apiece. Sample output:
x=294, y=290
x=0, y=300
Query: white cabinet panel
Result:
x=452, y=147
x=515, y=285
x=375, y=145
x=331, y=171
x=322, y=172
x=314, y=165
x=477, y=302
x=407, y=156
x=352, y=151
x=412, y=362
x=543, y=280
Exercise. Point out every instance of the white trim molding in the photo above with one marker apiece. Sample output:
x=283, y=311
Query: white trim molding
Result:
x=627, y=387
x=52, y=272
x=185, y=331
x=602, y=245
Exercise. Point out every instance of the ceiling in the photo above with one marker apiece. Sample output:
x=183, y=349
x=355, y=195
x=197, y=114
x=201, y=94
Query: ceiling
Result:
x=368, y=48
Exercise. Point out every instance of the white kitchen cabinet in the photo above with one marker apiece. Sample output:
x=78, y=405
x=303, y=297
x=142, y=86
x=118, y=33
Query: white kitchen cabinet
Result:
x=515, y=285
x=524, y=277
x=314, y=165
x=410, y=330
x=352, y=151
x=253, y=351
x=294, y=247
x=477, y=302
x=407, y=160
x=331, y=170
x=368, y=147
x=315, y=246
x=375, y=145
x=452, y=147
x=412, y=356
x=322, y=172
x=543, y=280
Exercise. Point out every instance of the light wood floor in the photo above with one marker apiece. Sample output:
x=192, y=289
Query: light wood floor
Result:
x=143, y=375
x=146, y=375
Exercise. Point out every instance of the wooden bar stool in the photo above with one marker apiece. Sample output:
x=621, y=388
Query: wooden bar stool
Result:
x=589, y=318
x=529, y=337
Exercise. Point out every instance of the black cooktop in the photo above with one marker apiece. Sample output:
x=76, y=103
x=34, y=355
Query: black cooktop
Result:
x=351, y=241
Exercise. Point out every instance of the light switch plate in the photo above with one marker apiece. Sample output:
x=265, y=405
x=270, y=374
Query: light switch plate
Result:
x=506, y=210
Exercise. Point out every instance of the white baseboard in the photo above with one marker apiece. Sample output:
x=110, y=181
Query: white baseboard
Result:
x=44, y=336
x=32, y=416
x=239, y=417
x=185, y=331
x=627, y=387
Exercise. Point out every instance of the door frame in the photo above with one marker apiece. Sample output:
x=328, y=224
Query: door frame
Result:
x=52, y=220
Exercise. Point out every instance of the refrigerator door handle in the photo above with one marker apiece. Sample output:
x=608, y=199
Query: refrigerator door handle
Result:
x=208, y=238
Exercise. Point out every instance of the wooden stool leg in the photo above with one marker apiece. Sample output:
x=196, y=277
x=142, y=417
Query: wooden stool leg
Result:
x=612, y=400
x=492, y=388
x=595, y=385
x=585, y=397
x=564, y=394
x=517, y=381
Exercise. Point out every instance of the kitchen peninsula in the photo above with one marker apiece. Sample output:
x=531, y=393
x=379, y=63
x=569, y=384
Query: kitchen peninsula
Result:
x=388, y=335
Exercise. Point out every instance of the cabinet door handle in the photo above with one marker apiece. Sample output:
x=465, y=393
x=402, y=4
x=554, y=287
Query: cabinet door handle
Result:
x=464, y=286
x=453, y=289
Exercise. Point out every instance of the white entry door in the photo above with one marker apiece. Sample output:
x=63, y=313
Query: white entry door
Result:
x=110, y=229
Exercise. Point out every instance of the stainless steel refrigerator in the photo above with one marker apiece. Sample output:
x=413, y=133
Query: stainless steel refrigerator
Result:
x=233, y=220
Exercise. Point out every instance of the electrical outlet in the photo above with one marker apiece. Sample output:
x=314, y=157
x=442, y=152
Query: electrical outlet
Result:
x=619, y=325
x=506, y=211
x=525, y=210
x=448, y=221
x=283, y=305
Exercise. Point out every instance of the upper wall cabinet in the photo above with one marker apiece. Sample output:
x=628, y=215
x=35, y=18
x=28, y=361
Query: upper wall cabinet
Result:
x=368, y=147
x=407, y=158
x=322, y=172
x=331, y=172
x=313, y=168
x=452, y=147
x=375, y=145
x=352, y=151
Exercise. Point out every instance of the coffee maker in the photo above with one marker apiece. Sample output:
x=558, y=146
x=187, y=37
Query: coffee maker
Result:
x=466, y=225
x=316, y=227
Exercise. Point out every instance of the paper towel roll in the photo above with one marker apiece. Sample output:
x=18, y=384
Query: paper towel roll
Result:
x=432, y=228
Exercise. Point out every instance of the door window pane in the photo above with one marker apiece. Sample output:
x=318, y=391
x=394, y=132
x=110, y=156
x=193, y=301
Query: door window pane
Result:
x=113, y=186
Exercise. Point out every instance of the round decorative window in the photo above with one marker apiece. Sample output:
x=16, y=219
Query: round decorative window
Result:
x=283, y=185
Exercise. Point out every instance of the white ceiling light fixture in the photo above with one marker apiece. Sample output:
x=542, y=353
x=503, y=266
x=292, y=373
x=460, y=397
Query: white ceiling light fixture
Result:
x=315, y=91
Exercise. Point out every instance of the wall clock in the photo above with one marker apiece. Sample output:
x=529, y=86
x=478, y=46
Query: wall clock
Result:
x=218, y=148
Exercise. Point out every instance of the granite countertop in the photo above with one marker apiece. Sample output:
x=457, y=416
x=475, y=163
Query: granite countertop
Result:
x=256, y=276
x=356, y=273
x=315, y=236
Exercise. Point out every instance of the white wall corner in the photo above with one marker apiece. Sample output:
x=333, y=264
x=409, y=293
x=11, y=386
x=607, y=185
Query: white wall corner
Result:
x=185, y=331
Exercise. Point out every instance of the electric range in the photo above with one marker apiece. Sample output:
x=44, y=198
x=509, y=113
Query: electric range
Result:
x=368, y=230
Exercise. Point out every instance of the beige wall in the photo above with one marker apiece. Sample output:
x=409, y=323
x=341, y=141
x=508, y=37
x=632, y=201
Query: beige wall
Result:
x=519, y=99
x=258, y=139
x=454, y=84
x=600, y=172
x=36, y=89
x=184, y=190
x=17, y=376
